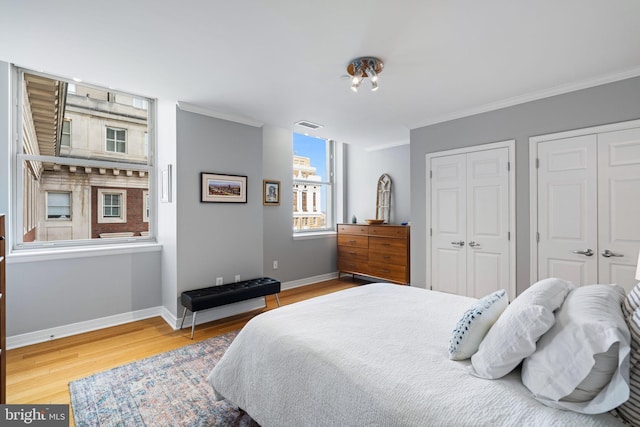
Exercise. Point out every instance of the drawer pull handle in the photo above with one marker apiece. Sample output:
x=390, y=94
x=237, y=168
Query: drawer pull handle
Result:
x=386, y=257
x=352, y=253
x=352, y=241
x=384, y=270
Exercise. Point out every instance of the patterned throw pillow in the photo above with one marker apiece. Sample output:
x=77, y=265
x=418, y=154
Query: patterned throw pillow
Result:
x=631, y=302
x=630, y=410
x=475, y=323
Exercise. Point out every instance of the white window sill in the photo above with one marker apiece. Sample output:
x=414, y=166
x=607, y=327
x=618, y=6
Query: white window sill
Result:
x=47, y=254
x=314, y=235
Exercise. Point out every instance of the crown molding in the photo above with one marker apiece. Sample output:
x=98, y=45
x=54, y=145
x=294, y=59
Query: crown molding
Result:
x=533, y=96
x=192, y=108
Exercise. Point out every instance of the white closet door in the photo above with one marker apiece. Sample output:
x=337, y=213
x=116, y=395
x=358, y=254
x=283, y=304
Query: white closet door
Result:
x=567, y=209
x=470, y=252
x=448, y=223
x=618, y=206
x=487, y=239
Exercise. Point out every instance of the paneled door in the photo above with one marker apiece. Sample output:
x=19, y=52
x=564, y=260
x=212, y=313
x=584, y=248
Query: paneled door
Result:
x=449, y=224
x=568, y=209
x=618, y=206
x=588, y=205
x=470, y=222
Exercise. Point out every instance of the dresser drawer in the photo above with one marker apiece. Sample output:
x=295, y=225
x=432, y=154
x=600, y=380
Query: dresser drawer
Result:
x=386, y=244
x=394, y=273
x=390, y=257
x=353, y=240
x=353, y=229
x=360, y=267
x=353, y=253
x=389, y=231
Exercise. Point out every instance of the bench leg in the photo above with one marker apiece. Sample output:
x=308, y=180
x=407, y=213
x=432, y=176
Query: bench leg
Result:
x=184, y=314
x=278, y=300
x=193, y=323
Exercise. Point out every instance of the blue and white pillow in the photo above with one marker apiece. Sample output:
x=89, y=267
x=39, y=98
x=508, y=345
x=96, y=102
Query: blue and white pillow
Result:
x=475, y=323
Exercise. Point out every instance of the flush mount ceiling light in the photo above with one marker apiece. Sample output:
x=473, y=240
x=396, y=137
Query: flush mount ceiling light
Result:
x=360, y=68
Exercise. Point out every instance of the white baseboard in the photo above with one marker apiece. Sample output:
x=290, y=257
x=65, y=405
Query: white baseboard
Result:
x=212, y=314
x=204, y=316
x=308, y=281
x=44, y=335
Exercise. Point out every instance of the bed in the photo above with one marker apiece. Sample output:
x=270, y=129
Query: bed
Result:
x=374, y=355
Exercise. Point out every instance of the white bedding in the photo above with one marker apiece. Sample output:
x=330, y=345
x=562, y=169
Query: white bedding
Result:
x=374, y=355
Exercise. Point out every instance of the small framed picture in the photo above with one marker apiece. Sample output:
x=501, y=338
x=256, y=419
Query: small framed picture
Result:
x=270, y=192
x=221, y=188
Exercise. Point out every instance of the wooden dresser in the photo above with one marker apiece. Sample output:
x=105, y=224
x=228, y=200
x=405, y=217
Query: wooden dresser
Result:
x=380, y=251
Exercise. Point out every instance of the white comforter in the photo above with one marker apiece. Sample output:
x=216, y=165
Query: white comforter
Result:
x=375, y=355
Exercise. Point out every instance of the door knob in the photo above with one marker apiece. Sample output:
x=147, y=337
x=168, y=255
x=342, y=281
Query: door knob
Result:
x=473, y=244
x=459, y=243
x=607, y=254
x=587, y=252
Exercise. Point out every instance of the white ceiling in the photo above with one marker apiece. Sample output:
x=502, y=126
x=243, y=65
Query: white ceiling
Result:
x=280, y=61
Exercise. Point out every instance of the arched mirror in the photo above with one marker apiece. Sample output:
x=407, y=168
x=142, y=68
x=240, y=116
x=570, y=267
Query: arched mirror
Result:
x=383, y=198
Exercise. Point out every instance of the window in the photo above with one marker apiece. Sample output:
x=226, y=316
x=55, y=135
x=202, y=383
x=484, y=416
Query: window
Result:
x=313, y=184
x=86, y=185
x=146, y=208
x=112, y=206
x=58, y=205
x=140, y=103
x=65, y=138
x=116, y=140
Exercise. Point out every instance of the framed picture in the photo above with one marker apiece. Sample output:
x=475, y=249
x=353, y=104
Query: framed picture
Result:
x=270, y=192
x=220, y=188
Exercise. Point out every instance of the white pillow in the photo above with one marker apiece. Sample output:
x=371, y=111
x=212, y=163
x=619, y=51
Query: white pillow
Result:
x=475, y=323
x=582, y=363
x=514, y=335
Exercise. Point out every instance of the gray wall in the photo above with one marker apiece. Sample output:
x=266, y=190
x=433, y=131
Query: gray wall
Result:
x=297, y=259
x=58, y=292
x=363, y=168
x=217, y=239
x=5, y=137
x=610, y=103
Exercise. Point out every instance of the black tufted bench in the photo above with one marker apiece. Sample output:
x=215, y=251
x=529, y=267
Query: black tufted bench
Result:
x=214, y=296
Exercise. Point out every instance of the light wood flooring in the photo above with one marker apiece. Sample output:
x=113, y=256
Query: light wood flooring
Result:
x=40, y=373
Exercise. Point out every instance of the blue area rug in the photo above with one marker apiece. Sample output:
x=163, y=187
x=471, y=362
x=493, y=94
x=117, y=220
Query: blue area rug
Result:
x=168, y=389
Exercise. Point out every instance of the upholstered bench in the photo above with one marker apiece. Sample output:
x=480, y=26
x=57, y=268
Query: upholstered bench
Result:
x=214, y=296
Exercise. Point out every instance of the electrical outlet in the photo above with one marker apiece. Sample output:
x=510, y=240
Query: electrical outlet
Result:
x=237, y=278
x=219, y=281
x=275, y=265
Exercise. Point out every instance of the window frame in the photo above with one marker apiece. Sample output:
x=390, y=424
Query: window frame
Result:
x=146, y=206
x=122, y=194
x=330, y=184
x=21, y=222
x=47, y=205
x=66, y=122
x=115, y=140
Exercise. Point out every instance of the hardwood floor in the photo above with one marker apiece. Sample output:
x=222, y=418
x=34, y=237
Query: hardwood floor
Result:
x=40, y=373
